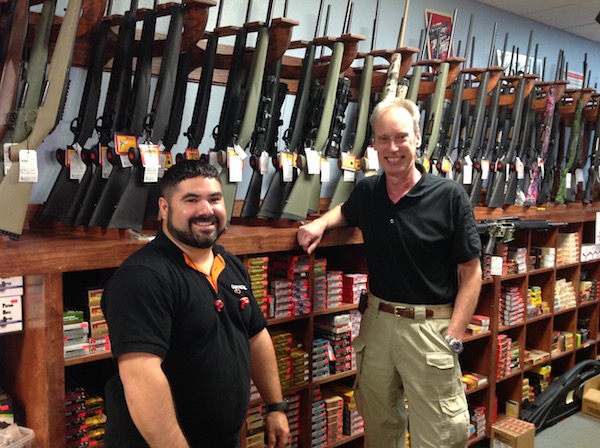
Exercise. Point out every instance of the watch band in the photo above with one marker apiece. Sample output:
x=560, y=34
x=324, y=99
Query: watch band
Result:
x=281, y=406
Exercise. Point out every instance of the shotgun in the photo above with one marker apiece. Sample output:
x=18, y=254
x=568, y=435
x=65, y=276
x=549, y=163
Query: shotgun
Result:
x=14, y=195
x=591, y=186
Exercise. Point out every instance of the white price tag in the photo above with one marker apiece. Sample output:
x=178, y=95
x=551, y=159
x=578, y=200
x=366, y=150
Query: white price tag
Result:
x=125, y=162
x=163, y=163
x=467, y=171
x=496, y=266
x=520, y=167
x=287, y=169
x=325, y=172
x=28, y=170
x=106, y=165
x=348, y=176
x=485, y=169
x=76, y=166
x=313, y=160
x=264, y=163
x=579, y=175
x=597, y=230
x=213, y=159
x=373, y=158
x=568, y=180
x=235, y=167
x=240, y=152
x=151, y=161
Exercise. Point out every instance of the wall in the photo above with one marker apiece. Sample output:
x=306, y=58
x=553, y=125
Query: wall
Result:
x=549, y=39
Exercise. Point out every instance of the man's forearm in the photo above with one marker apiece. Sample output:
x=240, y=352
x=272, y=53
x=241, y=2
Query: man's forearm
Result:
x=466, y=299
x=145, y=385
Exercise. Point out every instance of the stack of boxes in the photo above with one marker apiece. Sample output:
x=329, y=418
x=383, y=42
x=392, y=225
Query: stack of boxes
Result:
x=11, y=304
x=336, y=328
x=84, y=418
x=293, y=415
x=535, y=305
x=518, y=259
x=318, y=420
x=590, y=252
x=300, y=369
x=588, y=291
x=335, y=288
x=320, y=281
x=320, y=359
x=515, y=356
x=486, y=267
x=258, y=272
x=7, y=413
x=353, y=422
x=567, y=250
x=283, y=343
x=255, y=431
x=503, y=359
x=99, y=340
x=583, y=330
x=289, y=285
x=334, y=407
x=479, y=324
x=478, y=421
x=355, y=318
x=539, y=379
x=527, y=392
x=564, y=295
x=75, y=334
x=562, y=341
x=512, y=306
x=354, y=285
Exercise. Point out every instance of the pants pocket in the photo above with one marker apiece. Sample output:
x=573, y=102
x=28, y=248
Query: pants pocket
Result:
x=455, y=431
x=440, y=373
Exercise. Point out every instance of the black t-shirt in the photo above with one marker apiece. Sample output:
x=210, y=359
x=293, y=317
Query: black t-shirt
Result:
x=156, y=303
x=413, y=247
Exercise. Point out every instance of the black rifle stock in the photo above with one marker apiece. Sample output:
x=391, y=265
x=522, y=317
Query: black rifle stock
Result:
x=14, y=195
x=591, y=186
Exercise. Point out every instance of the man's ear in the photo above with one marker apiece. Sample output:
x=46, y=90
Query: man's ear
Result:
x=163, y=208
x=418, y=139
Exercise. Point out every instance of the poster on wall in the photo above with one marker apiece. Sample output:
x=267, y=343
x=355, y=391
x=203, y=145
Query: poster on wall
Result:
x=438, y=40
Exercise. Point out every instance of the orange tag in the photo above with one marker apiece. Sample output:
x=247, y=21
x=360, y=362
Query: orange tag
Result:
x=192, y=154
x=124, y=142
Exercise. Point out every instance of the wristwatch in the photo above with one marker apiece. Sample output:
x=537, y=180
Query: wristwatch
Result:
x=281, y=406
x=455, y=345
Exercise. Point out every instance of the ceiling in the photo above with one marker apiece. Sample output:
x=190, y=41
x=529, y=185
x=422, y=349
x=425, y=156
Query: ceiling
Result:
x=573, y=16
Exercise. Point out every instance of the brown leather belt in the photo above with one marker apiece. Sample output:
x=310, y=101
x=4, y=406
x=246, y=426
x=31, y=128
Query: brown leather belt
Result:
x=409, y=312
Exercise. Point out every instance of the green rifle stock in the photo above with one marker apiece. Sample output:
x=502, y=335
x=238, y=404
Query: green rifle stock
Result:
x=14, y=195
x=437, y=108
x=572, y=151
x=308, y=186
x=34, y=77
x=343, y=188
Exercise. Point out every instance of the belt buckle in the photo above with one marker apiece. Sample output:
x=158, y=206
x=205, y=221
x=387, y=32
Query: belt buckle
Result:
x=399, y=309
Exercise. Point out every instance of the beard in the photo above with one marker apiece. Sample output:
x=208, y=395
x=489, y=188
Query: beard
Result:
x=196, y=239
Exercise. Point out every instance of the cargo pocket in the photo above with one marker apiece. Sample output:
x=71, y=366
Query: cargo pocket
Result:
x=440, y=374
x=455, y=431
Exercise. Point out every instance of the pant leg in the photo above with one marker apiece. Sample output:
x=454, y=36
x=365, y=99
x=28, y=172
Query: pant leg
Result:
x=378, y=389
x=431, y=374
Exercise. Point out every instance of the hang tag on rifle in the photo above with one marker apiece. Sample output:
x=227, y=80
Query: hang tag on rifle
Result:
x=235, y=165
x=325, y=171
x=28, y=170
x=520, y=167
x=240, y=152
x=213, y=159
x=7, y=161
x=485, y=169
x=106, y=165
x=287, y=166
x=264, y=163
x=579, y=175
x=122, y=145
x=373, y=158
x=446, y=165
x=542, y=166
x=313, y=161
x=427, y=164
x=467, y=169
x=496, y=265
x=348, y=162
x=74, y=163
x=150, y=162
x=348, y=176
x=192, y=154
x=568, y=180
x=166, y=162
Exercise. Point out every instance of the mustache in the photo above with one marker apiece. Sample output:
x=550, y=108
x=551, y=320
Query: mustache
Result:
x=209, y=218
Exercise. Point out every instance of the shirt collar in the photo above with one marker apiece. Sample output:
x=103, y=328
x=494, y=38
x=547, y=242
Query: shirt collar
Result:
x=416, y=191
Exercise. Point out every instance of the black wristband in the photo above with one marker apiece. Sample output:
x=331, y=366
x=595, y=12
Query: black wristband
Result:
x=281, y=406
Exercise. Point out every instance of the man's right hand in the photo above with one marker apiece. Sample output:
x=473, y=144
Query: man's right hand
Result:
x=310, y=235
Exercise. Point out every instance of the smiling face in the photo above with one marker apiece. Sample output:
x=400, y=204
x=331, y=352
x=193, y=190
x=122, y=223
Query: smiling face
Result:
x=396, y=142
x=194, y=212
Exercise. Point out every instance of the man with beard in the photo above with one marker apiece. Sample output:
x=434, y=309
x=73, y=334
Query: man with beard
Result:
x=186, y=332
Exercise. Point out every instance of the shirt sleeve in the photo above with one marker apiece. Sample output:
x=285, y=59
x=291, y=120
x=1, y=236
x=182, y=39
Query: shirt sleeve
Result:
x=467, y=243
x=139, y=312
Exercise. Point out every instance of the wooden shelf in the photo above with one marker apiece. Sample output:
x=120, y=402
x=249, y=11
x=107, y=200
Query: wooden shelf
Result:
x=76, y=360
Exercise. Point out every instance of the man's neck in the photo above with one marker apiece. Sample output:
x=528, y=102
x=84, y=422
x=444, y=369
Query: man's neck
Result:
x=399, y=186
x=202, y=258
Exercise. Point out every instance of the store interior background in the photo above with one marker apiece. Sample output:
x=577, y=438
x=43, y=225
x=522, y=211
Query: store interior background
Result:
x=549, y=41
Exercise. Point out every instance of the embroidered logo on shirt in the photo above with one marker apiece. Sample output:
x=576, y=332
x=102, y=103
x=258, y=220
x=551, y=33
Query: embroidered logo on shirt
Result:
x=237, y=289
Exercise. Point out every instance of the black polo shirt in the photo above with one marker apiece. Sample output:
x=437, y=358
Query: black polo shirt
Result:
x=157, y=303
x=413, y=247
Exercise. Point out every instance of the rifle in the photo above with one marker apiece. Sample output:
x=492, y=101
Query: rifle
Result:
x=12, y=64
x=511, y=190
x=33, y=83
x=14, y=195
x=115, y=105
x=476, y=130
x=503, y=229
x=390, y=90
x=344, y=186
x=497, y=194
x=265, y=132
x=573, y=141
x=279, y=189
x=234, y=135
x=69, y=188
x=592, y=184
x=308, y=186
x=415, y=79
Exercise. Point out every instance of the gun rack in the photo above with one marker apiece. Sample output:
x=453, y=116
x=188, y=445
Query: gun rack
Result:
x=567, y=107
x=428, y=87
x=542, y=89
x=512, y=82
x=476, y=73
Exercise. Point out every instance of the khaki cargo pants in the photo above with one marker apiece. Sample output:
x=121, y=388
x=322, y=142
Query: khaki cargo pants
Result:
x=398, y=357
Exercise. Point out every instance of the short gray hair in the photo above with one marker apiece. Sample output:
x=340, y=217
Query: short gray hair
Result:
x=395, y=104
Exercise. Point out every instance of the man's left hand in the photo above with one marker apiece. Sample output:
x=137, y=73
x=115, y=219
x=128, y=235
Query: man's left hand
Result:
x=277, y=430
